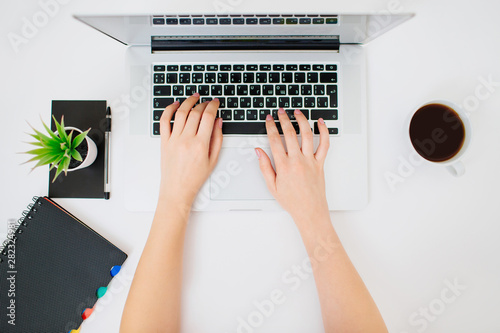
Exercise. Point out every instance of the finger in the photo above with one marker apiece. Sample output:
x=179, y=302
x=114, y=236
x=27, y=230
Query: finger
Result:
x=305, y=133
x=182, y=113
x=193, y=119
x=292, y=143
x=215, y=142
x=324, y=141
x=207, y=119
x=165, y=119
x=274, y=140
x=267, y=170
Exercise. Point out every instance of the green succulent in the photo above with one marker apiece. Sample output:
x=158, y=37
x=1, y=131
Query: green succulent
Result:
x=56, y=149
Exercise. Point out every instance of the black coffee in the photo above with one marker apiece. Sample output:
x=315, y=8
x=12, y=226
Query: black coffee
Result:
x=436, y=132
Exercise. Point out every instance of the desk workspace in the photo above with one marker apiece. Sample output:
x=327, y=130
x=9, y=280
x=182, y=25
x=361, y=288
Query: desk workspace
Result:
x=410, y=118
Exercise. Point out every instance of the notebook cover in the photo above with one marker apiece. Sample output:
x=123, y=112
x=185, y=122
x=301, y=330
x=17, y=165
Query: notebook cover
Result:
x=60, y=263
x=87, y=182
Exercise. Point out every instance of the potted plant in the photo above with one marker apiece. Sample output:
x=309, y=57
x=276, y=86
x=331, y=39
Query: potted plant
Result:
x=68, y=149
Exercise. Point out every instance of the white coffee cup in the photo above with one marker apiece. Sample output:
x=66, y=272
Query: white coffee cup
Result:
x=454, y=165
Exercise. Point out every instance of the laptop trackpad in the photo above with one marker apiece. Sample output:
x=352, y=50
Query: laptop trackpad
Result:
x=237, y=176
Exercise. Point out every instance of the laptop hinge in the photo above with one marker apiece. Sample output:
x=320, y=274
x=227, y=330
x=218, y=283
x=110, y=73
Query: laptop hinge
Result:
x=231, y=43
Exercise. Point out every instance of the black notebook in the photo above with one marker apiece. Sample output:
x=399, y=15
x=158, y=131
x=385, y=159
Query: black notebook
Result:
x=53, y=268
x=87, y=182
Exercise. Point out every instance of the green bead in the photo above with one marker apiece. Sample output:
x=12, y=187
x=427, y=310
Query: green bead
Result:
x=101, y=291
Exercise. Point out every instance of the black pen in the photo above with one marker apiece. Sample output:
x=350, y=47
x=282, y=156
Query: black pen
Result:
x=106, y=154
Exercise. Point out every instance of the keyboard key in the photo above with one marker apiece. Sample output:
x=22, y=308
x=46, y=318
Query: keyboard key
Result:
x=157, y=115
x=274, y=77
x=229, y=90
x=156, y=128
x=198, y=21
x=253, y=127
x=265, y=21
x=239, y=21
x=271, y=102
x=291, y=67
x=190, y=89
x=180, y=100
x=319, y=89
x=274, y=114
x=209, y=77
x=225, y=67
x=222, y=102
x=184, y=78
x=331, y=90
x=252, y=21
x=331, y=67
x=280, y=89
x=235, y=77
x=284, y=102
x=293, y=89
x=178, y=90
x=158, y=21
x=263, y=114
x=206, y=99
x=159, y=78
x=254, y=90
x=332, y=131
x=172, y=78
x=328, y=77
x=204, y=90
x=252, y=67
x=161, y=90
x=261, y=77
x=267, y=90
x=245, y=102
x=291, y=114
x=197, y=78
x=159, y=68
x=292, y=20
x=278, y=21
x=248, y=77
x=172, y=68
x=225, y=21
x=309, y=102
x=286, y=77
x=318, y=67
x=242, y=90
x=232, y=102
x=305, y=113
x=305, y=67
x=238, y=67
x=297, y=102
x=322, y=102
x=186, y=68
x=278, y=67
x=239, y=115
x=331, y=20
x=318, y=20
x=305, y=21
x=306, y=89
x=251, y=114
x=212, y=21
x=212, y=68
x=161, y=103
x=172, y=21
x=312, y=77
x=222, y=77
x=216, y=90
x=226, y=114
x=258, y=102
x=265, y=67
x=300, y=77
x=199, y=68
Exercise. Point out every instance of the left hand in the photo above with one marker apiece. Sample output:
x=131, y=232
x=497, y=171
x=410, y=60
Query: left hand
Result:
x=189, y=152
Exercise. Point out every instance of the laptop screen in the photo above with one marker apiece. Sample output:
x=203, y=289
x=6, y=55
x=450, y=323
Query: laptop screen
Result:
x=142, y=29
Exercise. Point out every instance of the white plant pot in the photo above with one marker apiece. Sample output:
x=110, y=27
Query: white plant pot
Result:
x=91, y=153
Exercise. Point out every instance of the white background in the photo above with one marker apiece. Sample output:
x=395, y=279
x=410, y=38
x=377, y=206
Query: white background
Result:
x=427, y=229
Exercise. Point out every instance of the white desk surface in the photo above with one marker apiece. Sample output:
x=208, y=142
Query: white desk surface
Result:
x=432, y=228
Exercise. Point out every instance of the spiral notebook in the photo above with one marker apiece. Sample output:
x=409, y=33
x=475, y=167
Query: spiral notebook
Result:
x=53, y=268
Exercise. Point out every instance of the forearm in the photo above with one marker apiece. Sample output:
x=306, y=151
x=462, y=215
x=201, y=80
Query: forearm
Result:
x=346, y=304
x=153, y=303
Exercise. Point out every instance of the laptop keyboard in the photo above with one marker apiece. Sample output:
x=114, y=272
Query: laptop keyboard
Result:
x=248, y=93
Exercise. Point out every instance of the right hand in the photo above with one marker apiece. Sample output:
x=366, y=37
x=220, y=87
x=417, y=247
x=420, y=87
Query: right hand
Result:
x=298, y=183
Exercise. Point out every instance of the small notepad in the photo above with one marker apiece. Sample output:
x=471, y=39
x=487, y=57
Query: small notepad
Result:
x=52, y=276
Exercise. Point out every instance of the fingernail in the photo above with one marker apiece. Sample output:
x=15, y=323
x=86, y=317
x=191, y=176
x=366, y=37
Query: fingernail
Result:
x=269, y=117
x=258, y=153
x=297, y=111
x=321, y=120
x=281, y=110
x=220, y=122
x=177, y=102
x=196, y=95
x=216, y=99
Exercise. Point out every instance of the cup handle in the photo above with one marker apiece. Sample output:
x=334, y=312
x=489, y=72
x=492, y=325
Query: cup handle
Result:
x=457, y=169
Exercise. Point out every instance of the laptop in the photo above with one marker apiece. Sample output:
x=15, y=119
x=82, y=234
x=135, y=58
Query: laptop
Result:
x=254, y=64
